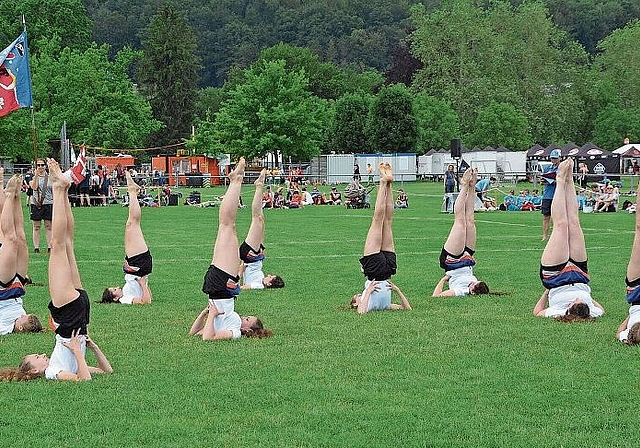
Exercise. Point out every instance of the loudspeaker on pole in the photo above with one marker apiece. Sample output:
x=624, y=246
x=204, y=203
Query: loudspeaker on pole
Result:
x=455, y=148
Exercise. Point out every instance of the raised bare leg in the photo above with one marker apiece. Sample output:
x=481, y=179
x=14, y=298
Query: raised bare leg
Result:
x=1, y=189
x=8, y=251
x=134, y=242
x=373, y=242
x=577, y=246
x=21, y=237
x=387, y=229
x=470, y=216
x=35, y=234
x=47, y=232
x=456, y=241
x=633, y=269
x=557, y=249
x=61, y=277
x=255, y=236
x=225, y=250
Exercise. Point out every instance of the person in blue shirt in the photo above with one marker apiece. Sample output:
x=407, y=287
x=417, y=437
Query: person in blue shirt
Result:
x=536, y=199
x=510, y=202
x=481, y=188
x=549, y=181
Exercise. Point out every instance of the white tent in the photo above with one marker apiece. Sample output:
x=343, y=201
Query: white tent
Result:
x=627, y=154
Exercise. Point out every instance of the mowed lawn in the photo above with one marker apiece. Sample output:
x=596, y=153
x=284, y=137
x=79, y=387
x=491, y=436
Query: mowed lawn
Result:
x=472, y=371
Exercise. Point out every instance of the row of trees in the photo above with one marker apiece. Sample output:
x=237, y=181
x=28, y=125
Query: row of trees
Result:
x=502, y=75
x=492, y=72
x=356, y=33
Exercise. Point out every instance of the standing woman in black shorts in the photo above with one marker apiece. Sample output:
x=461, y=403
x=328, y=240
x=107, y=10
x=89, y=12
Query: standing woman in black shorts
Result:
x=138, y=263
x=219, y=320
x=41, y=204
x=379, y=258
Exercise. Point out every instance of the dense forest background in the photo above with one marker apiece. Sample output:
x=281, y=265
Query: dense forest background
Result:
x=300, y=78
x=357, y=33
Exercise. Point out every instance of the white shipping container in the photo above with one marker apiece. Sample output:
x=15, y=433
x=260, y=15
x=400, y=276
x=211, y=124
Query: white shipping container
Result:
x=340, y=168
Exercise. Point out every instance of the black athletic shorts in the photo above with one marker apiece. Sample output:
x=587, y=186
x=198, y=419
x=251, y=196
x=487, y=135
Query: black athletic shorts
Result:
x=250, y=255
x=218, y=284
x=379, y=266
x=72, y=316
x=44, y=212
x=140, y=265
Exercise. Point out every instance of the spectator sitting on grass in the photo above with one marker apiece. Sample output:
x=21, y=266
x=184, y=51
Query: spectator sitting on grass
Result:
x=402, y=201
x=335, y=197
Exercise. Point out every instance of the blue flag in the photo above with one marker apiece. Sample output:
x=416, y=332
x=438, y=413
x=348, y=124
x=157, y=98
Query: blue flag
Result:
x=15, y=78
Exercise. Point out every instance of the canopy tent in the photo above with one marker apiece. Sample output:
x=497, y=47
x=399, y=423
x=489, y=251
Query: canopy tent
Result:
x=598, y=160
x=627, y=153
x=536, y=151
x=631, y=150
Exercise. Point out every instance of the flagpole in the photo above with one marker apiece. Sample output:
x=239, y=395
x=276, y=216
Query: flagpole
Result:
x=34, y=135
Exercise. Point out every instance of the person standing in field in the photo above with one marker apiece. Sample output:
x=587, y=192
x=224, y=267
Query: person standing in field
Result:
x=549, y=182
x=41, y=204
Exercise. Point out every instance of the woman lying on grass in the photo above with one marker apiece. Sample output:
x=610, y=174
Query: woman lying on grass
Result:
x=138, y=263
x=629, y=330
x=379, y=260
x=563, y=267
x=14, y=261
x=69, y=304
x=252, y=248
x=456, y=257
x=219, y=319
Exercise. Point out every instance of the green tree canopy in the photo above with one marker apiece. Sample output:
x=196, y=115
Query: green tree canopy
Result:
x=93, y=95
x=272, y=111
x=437, y=123
x=501, y=124
x=168, y=74
x=618, y=63
x=326, y=80
x=474, y=56
x=348, y=129
x=64, y=20
x=393, y=125
x=613, y=125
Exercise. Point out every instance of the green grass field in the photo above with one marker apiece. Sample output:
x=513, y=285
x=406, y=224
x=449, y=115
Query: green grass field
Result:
x=472, y=371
